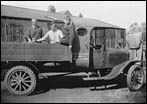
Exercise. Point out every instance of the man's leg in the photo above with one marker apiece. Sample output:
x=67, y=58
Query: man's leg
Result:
x=131, y=54
x=139, y=53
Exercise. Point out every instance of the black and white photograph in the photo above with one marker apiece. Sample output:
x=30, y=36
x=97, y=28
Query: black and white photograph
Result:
x=73, y=51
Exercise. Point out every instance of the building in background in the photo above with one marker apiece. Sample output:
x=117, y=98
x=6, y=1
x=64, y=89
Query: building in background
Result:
x=16, y=20
x=66, y=12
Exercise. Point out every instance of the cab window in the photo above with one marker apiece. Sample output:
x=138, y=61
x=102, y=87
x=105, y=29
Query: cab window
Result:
x=81, y=31
x=115, y=38
x=110, y=38
x=97, y=38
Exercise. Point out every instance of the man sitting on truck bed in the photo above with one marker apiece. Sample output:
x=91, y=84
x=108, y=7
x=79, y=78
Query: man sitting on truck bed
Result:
x=54, y=34
x=35, y=32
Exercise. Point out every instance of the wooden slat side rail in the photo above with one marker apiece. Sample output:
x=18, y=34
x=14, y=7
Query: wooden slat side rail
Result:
x=34, y=52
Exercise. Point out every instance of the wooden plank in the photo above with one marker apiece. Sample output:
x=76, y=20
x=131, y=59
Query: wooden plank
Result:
x=10, y=57
x=11, y=45
x=35, y=52
x=11, y=51
x=44, y=46
x=46, y=52
x=44, y=57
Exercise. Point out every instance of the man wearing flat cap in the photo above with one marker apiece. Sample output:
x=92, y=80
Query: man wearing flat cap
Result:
x=68, y=31
x=35, y=32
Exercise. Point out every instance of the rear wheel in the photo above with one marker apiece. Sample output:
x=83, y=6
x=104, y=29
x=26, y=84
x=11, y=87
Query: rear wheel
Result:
x=20, y=80
x=135, y=78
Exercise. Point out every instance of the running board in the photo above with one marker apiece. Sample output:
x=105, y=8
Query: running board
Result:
x=93, y=78
x=86, y=77
x=46, y=75
x=55, y=74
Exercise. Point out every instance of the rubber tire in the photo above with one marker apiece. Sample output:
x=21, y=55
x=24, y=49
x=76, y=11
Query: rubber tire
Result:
x=28, y=70
x=132, y=68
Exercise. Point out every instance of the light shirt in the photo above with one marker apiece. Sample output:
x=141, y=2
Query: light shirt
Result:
x=134, y=40
x=54, y=36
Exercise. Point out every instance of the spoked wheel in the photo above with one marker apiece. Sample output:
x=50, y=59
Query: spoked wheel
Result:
x=20, y=80
x=135, y=78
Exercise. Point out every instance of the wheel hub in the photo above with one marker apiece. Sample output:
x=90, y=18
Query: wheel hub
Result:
x=136, y=78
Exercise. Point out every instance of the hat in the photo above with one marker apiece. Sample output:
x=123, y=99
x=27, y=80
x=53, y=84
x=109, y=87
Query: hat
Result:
x=67, y=17
x=53, y=22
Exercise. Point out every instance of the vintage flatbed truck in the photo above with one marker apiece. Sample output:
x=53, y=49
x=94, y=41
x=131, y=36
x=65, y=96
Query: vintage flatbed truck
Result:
x=94, y=50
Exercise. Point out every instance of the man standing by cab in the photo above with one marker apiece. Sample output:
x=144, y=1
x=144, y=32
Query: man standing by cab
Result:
x=68, y=31
x=134, y=42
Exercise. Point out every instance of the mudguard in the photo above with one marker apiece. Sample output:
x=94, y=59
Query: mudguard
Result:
x=11, y=64
x=118, y=69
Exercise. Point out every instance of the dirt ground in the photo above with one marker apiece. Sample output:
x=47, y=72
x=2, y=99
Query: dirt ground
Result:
x=75, y=90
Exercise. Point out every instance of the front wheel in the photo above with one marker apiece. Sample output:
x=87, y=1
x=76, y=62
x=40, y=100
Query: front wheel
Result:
x=20, y=80
x=135, y=78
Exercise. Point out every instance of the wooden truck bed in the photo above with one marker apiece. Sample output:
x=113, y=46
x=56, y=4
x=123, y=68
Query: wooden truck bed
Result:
x=34, y=52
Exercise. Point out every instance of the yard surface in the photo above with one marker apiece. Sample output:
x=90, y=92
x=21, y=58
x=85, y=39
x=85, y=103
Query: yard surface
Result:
x=75, y=90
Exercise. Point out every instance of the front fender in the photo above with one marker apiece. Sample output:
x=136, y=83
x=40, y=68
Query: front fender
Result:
x=121, y=68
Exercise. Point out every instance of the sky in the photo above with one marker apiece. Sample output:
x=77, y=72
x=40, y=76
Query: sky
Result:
x=120, y=13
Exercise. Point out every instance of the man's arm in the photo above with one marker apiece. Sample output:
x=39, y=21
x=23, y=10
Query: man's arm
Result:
x=60, y=34
x=72, y=33
x=39, y=33
x=28, y=35
x=44, y=37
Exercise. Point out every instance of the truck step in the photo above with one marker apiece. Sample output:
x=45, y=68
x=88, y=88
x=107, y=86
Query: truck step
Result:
x=55, y=74
x=46, y=75
x=93, y=78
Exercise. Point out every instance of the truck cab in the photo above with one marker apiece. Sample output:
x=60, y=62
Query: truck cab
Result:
x=107, y=47
x=99, y=48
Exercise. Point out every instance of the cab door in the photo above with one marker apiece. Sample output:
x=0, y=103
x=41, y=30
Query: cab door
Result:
x=97, y=50
x=80, y=48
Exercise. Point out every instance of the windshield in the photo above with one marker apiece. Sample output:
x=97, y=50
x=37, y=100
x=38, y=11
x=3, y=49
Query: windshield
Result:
x=110, y=38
